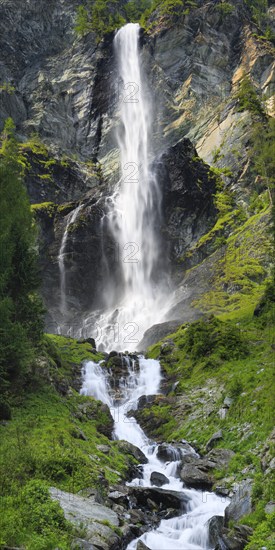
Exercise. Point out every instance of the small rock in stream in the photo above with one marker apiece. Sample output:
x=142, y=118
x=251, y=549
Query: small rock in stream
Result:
x=158, y=479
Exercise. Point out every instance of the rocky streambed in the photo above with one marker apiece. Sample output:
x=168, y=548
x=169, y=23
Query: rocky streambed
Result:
x=168, y=498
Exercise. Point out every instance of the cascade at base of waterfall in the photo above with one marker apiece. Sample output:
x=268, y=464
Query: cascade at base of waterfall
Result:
x=189, y=531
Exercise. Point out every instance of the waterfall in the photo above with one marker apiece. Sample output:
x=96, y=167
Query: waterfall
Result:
x=134, y=210
x=188, y=531
x=71, y=218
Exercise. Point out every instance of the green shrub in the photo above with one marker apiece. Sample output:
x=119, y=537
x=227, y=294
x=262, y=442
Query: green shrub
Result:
x=248, y=98
x=210, y=336
x=41, y=513
x=224, y=8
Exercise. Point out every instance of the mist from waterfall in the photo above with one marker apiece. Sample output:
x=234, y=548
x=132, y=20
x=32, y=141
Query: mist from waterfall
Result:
x=134, y=213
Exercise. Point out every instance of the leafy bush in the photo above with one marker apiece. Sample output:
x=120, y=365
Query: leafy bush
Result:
x=225, y=8
x=248, y=98
x=209, y=335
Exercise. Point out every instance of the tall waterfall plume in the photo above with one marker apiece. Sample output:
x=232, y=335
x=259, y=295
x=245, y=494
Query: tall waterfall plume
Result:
x=135, y=209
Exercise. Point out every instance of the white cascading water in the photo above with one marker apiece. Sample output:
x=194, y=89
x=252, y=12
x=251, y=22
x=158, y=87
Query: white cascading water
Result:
x=133, y=211
x=71, y=218
x=186, y=532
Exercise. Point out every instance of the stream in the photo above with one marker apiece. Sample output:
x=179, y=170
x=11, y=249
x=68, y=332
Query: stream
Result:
x=190, y=530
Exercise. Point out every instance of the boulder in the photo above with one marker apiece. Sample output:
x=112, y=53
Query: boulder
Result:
x=105, y=449
x=130, y=449
x=196, y=476
x=213, y=440
x=81, y=544
x=215, y=526
x=98, y=411
x=81, y=509
x=220, y=457
x=119, y=497
x=270, y=507
x=234, y=539
x=162, y=498
x=158, y=479
x=168, y=453
x=196, y=472
x=241, y=502
x=83, y=512
x=158, y=332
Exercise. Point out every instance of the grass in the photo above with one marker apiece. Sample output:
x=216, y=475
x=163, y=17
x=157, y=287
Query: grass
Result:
x=213, y=359
x=239, y=277
x=43, y=444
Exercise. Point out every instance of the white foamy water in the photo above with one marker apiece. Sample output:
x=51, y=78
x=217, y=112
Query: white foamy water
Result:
x=189, y=531
x=71, y=218
x=134, y=210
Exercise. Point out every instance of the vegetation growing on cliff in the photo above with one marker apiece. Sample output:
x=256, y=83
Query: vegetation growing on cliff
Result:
x=21, y=310
x=103, y=16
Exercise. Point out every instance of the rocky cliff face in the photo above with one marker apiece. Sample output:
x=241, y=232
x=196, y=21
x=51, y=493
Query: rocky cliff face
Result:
x=62, y=89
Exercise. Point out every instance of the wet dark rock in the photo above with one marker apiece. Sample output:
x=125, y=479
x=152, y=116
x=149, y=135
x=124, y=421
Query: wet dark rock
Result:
x=197, y=472
x=222, y=491
x=168, y=453
x=158, y=479
x=145, y=400
x=119, y=497
x=196, y=476
x=188, y=206
x=215, y=526
x=112, y=354
x=161, y=498
x=241, y=502
x=137, y=516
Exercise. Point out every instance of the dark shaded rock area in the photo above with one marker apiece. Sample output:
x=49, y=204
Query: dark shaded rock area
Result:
x=158, y=479
x=188, y=189
x=198, y=472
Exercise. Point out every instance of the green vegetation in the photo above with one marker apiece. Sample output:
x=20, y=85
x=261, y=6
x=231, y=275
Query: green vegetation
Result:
x=52, y=440
x=48, y=208
x=103, y=16
x=238, y=279
x=248, y=98
x=100, y=17
x=263, y=154
x=21, y=310
x=214, y=359
x=7, y=87
x=258, y=10
x=225, y=8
